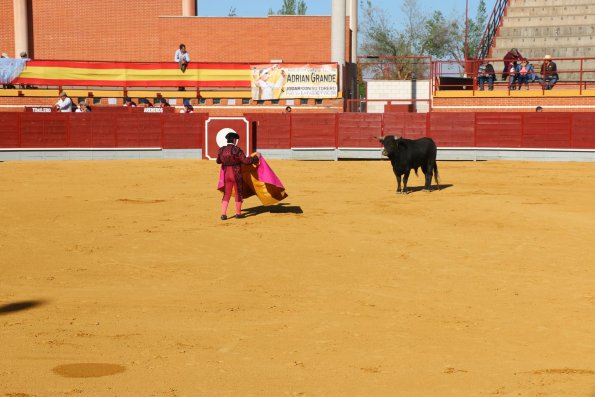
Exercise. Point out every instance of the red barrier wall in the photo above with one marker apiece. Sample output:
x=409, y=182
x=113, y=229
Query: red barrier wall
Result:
x=357, y=130
x=102, y=130
x=284, y=131
x=272, y=131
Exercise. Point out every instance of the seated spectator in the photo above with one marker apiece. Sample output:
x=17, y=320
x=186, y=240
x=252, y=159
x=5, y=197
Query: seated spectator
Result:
x=187, y=108
x=144, y=102
x=549, y=73
x=486, y=74
x=64, y=104
x=129, y=102
x=514, y=75
x=526, y=74
x=162, y=103
x=83, y=107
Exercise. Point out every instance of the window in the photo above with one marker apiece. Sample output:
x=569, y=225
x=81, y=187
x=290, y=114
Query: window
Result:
x=303, y=101
x=202, y=101
x=245, y=101
x=318, y=101
x=216, y=101
x=275, y=102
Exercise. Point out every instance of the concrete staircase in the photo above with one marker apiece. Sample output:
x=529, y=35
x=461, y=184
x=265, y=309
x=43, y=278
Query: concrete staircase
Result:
x=560, y=28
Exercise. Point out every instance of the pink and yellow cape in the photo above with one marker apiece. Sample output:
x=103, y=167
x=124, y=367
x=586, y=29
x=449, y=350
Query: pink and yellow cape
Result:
x=259, y=180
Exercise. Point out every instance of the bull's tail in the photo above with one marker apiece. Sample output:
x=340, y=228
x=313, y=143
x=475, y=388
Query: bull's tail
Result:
x=436, y=175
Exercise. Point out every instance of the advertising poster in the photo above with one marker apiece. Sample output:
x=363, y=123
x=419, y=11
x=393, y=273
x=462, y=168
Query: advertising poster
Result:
x=282, y=81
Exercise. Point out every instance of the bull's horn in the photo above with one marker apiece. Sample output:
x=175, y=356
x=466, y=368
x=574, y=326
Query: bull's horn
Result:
x=397, y=137
x=379, y=138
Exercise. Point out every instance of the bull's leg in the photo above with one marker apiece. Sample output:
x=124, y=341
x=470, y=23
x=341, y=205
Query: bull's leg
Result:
x=405, y=179
x=398, y=183
x=428, y=175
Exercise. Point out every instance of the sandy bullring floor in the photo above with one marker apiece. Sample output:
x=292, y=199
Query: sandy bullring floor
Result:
x=119, y=279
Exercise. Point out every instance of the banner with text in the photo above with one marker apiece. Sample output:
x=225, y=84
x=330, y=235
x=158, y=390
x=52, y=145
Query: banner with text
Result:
x=281, y=81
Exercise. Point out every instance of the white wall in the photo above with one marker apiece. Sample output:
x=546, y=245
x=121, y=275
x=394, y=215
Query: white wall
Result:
x=399, y=92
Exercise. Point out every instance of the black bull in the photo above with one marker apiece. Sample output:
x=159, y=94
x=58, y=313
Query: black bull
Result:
x=410, y=154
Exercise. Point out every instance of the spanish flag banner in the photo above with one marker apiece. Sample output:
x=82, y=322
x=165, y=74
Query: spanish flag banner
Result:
x=123, y=74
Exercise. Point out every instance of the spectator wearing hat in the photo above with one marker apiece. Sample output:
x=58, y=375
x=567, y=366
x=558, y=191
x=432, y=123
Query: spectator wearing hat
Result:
x=231, y=157
x=64, y=104
x=549, y=73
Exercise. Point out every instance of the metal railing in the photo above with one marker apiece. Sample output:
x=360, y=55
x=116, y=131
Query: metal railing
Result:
x=574, y=73
x=491, y=29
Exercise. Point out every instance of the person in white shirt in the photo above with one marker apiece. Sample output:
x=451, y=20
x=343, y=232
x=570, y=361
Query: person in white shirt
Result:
x=182, y=57
x=64, y=104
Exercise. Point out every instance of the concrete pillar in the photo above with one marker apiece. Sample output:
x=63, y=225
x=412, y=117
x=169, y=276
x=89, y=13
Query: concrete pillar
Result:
x=21, y=27
x=189, y=8
x=338, y=32
x=353, y=26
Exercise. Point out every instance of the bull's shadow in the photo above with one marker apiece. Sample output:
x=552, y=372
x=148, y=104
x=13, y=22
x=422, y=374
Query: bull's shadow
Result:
x=412, y=189
x=281, y=208
x=19, y=306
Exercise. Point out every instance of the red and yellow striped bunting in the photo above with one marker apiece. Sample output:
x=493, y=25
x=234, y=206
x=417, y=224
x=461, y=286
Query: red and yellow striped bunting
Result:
x=123, y=74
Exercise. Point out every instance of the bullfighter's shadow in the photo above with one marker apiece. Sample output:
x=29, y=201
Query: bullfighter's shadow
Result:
x=281, y=208
x=19, y=306
x=433, y=188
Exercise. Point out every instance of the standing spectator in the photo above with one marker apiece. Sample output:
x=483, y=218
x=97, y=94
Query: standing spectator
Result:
x=539, y=109
x=549, y=73
x=64, y=104
x=287, y=109
x=512, y=55
x=486, y=74
x=5, y=55
x=26, y=58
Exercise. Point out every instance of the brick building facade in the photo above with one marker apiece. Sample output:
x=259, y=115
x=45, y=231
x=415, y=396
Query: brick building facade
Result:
x=151, y=30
